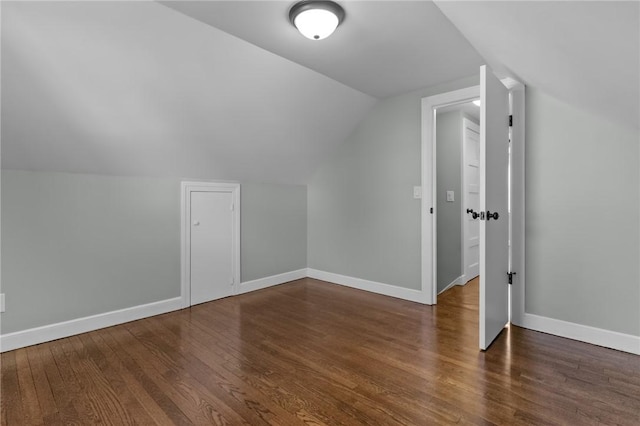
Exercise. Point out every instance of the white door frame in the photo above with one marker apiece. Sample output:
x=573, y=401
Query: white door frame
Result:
x=185, y=232
x=428, y=179
x=428, y=219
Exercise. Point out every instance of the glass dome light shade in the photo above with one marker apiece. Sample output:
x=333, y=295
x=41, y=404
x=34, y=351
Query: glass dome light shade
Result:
x=316, y=19
x=316, y=24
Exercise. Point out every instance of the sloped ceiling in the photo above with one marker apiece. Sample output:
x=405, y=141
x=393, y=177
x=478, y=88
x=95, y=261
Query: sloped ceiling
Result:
x=383, y=48
x=585, y=53
x=135, y=88
x=138, y=88
x=230, y=90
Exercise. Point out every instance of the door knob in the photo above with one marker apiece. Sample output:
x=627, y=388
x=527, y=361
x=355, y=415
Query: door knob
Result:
x=493, y=215
x=196, y=223
x=474, y=215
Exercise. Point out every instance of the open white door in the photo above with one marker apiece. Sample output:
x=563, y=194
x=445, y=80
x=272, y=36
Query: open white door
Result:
x=494, y=223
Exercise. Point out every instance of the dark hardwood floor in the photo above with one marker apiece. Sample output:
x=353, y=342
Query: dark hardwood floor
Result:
x=314, y=353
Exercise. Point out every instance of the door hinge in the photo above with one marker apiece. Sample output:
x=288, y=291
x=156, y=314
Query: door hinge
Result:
x=510, y=275
x=431, y=210
x=510, y=120
x=232, y=207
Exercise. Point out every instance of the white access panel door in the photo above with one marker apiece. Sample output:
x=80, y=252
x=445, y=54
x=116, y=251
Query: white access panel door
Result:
x=212, y=245
x=471, y=182
x=494, y=234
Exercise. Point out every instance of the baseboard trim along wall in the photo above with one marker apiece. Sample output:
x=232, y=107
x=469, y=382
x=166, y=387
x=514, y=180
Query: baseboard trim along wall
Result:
x=265, y=282
x=583, y=333
x=457, y=281
x=372, y=286
x=606, y=338
x=46, y=333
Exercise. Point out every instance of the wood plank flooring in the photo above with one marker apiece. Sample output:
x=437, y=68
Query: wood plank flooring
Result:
x=314, y=353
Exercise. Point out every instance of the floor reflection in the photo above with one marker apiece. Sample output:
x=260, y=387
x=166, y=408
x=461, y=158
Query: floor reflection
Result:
x=318, y=353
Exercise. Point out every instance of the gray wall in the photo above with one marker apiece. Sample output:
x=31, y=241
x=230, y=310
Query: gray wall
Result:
x=583, y=189
x=582, y=217
x=363, y=220
x=78, y=245
x=274, y=229
x=75, y=245
x=448, y=172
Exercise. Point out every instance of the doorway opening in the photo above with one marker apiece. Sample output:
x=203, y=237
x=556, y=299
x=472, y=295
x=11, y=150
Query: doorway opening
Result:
x=501, y=236
x=457, y=194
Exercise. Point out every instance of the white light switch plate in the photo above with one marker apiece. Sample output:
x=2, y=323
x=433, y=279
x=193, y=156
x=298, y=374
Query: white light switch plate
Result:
x=417, y=192
x=450, y=196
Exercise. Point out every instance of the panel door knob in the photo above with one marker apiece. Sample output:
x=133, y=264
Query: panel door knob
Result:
x=196, y=223
x=493, y=215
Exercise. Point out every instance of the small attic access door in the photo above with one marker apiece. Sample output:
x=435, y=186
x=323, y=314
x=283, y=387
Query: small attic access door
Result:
x=210, y=241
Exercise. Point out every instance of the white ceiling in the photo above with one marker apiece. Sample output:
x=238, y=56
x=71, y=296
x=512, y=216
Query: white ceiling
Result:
x=585, y=53
x=383, y=48
x=134, y=88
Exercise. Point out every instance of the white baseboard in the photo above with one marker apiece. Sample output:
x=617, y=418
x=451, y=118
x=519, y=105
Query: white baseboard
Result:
x=372, y=286
x=34, y=336
x=46, y=333
x=457, y=281
x=584, y=333
x=261, y=283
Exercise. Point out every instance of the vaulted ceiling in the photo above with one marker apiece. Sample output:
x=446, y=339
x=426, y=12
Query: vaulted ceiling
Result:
x=230, y=90
x=383, y=48
x=585, y=53
x=135, y=88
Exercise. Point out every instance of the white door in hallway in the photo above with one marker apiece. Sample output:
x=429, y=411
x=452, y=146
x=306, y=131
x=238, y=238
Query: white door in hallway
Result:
x=471, y=182
x=494, y=223
x=212, y=245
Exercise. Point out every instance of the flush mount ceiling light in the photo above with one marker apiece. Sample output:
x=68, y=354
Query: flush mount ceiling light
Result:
x=316, y=19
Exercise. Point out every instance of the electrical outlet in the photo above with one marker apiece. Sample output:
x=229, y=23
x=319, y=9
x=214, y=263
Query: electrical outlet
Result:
x=2, y=302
